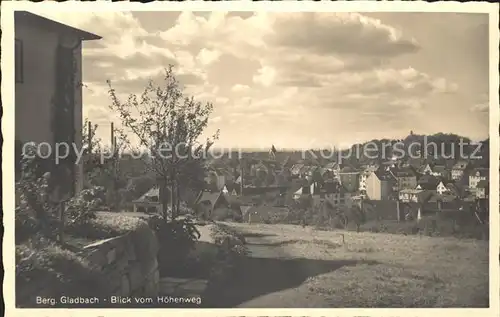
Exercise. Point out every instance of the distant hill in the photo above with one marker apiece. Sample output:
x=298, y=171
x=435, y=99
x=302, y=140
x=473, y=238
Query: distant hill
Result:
x=440, y=146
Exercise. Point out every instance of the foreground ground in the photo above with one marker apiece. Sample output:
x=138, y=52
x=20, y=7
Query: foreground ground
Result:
x=291, y=266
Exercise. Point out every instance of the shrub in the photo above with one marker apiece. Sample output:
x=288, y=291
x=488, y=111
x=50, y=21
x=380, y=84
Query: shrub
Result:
x=231, y=251
x=34, y=210
x=176, y=239
x=25, y=224
x=80, y=209
x=40, y=262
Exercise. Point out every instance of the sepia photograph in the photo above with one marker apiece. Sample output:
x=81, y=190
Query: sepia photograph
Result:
x=251, y=159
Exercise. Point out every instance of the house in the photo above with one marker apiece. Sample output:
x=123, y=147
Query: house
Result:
x=362, y=181
x=340, y=196
x=406, y=178
x=379, y=185
x=332, y=192
x=331, y=171
x=427, y=182
x=218, y=178
x=363, y=176
x=425, y=169
x=482, y=189
x=232, y=189
x=441, y=188
x=313, y=173
x=441, y=171
x=149, y=202
x=410, y=195
x=295, y=170
x=434, y=170
x=332, y=166
x=349, y=178
x=309, y=188
x=459, y=169
x=328, y=174
x=208, y=202
x=48, y=90
x=477, y=175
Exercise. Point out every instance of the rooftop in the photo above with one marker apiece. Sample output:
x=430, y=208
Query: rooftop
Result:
x=29, y=18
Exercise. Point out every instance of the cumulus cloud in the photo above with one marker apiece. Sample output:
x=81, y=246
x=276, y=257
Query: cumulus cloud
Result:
x=339, y=33
x=124, y=55
x=207, y=57
x=309, y=69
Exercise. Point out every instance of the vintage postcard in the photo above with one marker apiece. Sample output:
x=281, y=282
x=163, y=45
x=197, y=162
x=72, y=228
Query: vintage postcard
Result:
x=273, y=158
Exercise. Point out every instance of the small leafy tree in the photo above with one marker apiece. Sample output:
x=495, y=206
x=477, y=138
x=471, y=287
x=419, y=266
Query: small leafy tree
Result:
x=168, y=124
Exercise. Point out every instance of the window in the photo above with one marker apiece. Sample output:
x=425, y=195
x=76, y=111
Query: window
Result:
x=19, y=61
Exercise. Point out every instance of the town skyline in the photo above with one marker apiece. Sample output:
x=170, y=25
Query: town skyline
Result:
x=281, y=87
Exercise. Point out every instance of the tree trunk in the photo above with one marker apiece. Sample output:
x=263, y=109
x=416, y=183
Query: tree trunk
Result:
x=164, y=197
x=177, y=199
x=172, y=202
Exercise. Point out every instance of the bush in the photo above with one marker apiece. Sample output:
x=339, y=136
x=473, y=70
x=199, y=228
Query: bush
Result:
x=176, y=239
x=40, y=262
x=231, y=251
x=80, y=209
x=34, y=211
x=26, y=225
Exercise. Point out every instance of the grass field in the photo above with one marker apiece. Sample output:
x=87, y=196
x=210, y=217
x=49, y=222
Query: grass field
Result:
x=293, y=266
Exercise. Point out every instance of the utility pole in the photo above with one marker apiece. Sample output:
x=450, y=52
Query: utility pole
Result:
x=241, y=177
x=90, y=138
x=113, y=164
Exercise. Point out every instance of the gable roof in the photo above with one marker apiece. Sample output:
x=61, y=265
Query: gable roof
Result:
x=29, y=18
x=421, y=169
x=296, y=168
x=383, y=175
x=147, y=197
x=286, y=163
x=428, y=182
x=210, y=197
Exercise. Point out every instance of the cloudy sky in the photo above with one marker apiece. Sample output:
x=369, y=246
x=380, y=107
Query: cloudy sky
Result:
x=299, y=79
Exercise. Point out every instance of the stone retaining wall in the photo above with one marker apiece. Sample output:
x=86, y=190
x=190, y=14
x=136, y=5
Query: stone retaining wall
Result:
x=127, y=265
x=129, y=262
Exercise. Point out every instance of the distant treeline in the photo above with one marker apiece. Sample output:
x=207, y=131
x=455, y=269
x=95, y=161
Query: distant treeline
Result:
x=438, y=146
